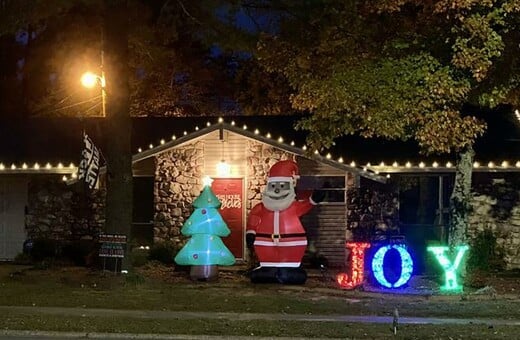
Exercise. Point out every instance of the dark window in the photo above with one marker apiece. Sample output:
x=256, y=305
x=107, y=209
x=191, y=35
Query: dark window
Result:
x=333, y=187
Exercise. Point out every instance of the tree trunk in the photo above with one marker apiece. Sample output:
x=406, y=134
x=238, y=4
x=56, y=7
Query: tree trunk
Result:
x=460, y=199
x=118, y=123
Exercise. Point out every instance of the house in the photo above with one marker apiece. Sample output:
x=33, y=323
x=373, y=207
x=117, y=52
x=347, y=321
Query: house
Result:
x=375, y=188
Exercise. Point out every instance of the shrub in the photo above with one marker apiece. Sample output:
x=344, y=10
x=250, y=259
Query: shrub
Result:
x=138, y=257
x=79, y=251
x=44, y=248
x=163, y=252
x=485, y=255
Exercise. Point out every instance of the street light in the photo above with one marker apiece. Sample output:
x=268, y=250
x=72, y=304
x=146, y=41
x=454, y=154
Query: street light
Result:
x=89, y=80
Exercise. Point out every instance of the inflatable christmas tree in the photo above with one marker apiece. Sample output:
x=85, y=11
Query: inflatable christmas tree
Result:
x=205, y=250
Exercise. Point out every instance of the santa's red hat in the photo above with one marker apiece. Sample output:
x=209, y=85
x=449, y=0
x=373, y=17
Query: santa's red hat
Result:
x=283, y=171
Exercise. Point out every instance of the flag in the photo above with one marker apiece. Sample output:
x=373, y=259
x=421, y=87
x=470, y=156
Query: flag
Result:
x=89, y=166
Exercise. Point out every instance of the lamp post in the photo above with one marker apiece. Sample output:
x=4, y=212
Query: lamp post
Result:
x=89, y=80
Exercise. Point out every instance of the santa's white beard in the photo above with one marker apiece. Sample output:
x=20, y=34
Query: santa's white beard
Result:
x=278, y=204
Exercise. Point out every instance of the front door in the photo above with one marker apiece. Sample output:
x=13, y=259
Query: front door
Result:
x=13, y=199
x=230, y=193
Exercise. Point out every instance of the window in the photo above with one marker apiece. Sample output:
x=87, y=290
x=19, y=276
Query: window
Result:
x=333, y=187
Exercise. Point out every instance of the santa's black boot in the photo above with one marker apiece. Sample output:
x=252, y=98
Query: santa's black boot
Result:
x=264, y=275
x=291, y=276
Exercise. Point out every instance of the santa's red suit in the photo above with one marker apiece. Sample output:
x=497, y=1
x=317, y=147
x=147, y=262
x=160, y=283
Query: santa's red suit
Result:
x=280, y=238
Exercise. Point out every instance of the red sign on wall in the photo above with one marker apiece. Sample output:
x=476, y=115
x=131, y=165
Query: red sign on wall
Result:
x=229, y=192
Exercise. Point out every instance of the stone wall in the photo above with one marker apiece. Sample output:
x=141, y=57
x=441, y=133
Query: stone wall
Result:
x=178, y=181
x=60, y=212
x=260, y=158
x=496, y=208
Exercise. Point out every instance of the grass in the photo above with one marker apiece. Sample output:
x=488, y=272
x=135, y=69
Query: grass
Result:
x=253, y=328
x=76, y=287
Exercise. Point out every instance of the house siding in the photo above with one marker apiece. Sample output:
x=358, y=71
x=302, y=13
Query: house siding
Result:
x=178, y=181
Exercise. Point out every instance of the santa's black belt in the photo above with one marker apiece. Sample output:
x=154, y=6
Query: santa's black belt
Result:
x=279, y=236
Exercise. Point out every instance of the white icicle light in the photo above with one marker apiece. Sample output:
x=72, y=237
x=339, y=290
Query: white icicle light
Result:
x=48, y=166
x=449, y=165
x=24, y=166
x=435, y=164
x=36, y=166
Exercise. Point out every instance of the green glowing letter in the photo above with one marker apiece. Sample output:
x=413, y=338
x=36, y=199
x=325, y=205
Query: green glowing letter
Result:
x=450, y=270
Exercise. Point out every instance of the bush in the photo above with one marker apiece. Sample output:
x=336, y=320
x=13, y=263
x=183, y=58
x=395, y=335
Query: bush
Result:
x=485, y=255
x=138, y=257
x=163, y=252
x=79, y=251
x=44, y=248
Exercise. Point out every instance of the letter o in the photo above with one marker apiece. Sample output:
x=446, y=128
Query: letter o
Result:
x=406, y=265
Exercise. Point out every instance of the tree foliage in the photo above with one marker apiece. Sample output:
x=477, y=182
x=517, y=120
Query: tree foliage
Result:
x=395, y=68
x=173, y=70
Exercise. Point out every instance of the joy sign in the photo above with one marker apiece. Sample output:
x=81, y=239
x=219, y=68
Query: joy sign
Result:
x=379, y=270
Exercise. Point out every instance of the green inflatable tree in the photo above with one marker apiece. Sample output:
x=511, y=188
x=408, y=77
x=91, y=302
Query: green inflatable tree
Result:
x=205, y=250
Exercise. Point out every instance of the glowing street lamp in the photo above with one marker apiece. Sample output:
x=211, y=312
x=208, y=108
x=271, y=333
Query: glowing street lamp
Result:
x=89, y=80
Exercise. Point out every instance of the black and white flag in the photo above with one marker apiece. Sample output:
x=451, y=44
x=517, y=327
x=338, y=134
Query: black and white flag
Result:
x=89, y=166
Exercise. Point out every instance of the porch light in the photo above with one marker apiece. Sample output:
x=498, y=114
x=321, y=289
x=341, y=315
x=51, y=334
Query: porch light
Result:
x=223, y=169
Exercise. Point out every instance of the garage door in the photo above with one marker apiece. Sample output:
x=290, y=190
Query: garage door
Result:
x=13, y=199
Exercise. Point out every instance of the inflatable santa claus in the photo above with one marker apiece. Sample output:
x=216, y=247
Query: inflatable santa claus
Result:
x=274, y=228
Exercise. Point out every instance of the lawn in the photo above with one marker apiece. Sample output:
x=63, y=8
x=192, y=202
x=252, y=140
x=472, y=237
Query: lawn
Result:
x=162, y=289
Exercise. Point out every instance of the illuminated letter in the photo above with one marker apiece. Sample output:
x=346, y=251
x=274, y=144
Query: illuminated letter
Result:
x=450, y=270
x=406, y=265
x=357, y=264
